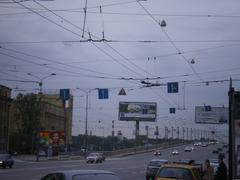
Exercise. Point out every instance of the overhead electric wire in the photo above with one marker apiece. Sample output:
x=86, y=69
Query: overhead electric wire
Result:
x=120, y=41
x=169, y=38
x=11, y=2
x=129, y=61
x=80, y=10
x=56, y=62
x=115, y=60
x=51, y=68
x=98, y=38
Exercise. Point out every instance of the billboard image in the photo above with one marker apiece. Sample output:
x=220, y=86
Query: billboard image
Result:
x=211, y=115
x=53, y=138
x=137, y=111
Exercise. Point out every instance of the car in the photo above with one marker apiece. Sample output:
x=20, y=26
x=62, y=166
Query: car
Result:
x=94, y=158
x=81, y=174
x=177, y=171
x=6, y=160
x=42, y=153
x=215, y=151
x=204, y=145
x=157, y=153
x=153, y=167
x=188, y=149
x=220, y=149
x=103, y=156
x=175, y=152
x=225, y=145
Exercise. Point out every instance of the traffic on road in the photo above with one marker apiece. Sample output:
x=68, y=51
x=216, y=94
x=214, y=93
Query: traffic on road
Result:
x=143, y=166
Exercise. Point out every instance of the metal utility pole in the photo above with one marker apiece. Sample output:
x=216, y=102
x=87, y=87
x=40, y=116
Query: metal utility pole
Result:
x=86, y=125
x=86, y=117
x=178, y=133
x=183, y=132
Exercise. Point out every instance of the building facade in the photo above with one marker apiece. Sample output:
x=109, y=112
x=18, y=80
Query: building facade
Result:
x=5, y=104
x=54, y=118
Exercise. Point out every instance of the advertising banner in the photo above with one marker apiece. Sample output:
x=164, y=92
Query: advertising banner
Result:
x=212, y=115
x=137, y=111
x=52, y=141
x=54, y=138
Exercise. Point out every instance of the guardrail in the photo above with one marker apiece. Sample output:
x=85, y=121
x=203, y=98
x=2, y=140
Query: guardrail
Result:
x=138, y=149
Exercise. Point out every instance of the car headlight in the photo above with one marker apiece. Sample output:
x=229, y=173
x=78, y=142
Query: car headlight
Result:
x=1, y=162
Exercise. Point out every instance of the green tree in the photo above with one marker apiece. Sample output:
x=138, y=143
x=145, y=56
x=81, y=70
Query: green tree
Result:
x=28, y=112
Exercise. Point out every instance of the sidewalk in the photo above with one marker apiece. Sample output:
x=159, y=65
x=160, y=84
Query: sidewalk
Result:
x=56, y=158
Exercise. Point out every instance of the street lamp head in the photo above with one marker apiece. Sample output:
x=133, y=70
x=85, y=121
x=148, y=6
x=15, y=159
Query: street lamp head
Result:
x=53, y=74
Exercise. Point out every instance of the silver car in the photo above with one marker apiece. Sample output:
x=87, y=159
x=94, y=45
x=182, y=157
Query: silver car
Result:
x=81, y=175
x=94, y=158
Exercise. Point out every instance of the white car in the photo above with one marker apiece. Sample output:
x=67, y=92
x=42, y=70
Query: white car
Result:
x=188, y=149
x=94, y=158
x=175, y=152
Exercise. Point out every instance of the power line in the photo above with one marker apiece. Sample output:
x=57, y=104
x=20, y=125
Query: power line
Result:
x=121, y=41
x=12, y=2
x=169, y=38
x=79, y=10
x=56, y=62
x=74, y=32
x=121, y=55
x=59, y=69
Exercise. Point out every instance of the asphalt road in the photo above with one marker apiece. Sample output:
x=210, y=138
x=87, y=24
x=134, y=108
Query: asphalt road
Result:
x=127, y=168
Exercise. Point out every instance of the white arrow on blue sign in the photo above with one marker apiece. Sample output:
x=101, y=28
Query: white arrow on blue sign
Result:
x=172, y=87
x=64, y=94
x=102, y=93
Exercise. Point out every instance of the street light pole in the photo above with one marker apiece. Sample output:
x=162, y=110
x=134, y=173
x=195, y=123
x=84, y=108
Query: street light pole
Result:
x=86, y=117
x=40, y=83
x=86, y=123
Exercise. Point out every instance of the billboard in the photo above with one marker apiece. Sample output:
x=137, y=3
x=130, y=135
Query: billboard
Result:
x=137, y=111
x=52, y=138
x=212, y=115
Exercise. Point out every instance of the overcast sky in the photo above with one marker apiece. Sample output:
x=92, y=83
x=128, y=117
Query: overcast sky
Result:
x=44, y=37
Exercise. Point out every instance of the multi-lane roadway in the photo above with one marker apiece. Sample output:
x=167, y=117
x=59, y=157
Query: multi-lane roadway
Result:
x=127, y=168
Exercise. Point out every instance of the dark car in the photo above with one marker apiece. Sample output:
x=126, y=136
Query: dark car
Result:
x=157, y=153
x=6, y=160
x=81, y=175
x=103, y=156
x=215, y=151
x=153, y=167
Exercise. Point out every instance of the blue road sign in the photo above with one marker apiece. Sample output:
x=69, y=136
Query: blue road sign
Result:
x=102, y=93
x=172, y=87
x=208, y=108
x=64, y=94
x=172, y=110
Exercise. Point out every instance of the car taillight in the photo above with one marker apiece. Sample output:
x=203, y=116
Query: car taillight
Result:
x=155, y=178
